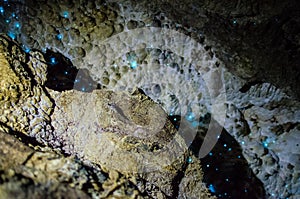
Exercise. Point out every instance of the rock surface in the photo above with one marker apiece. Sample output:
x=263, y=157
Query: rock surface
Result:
x=25, y=106
x=237, y=32
x=121, y=144
x=123, y=132
x=40, y=172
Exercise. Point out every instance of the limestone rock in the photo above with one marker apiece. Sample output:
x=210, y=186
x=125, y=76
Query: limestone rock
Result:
x=127, y=141
x=125, y=132
x=41, y=172
x=25, y=106
x=265, y=121
x=254, y=116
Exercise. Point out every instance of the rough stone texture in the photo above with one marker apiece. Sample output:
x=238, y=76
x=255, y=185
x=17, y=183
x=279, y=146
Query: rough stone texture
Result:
x=258, y=40
x=25, y=106
x=26, y=173
x=117, y=134
x=42, y=173
x=255, y=41
x=123, y=132
x=265, y=121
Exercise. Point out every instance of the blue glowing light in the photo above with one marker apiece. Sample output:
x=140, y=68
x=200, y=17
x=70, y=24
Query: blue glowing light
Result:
x=11, y=35
x=227, y=180
x=190, y=116
x=1, y=10
x=133, y=64
x=52, y=60
x=66, y=72
x=65, y=14
x=243, y=142
x=59, y=36
x=212, y=188
x=26, y=49
x=189, y=160
x=229, y=149
x=195, y=124
x=83, y=89
x=17, y=24
x=239, y=156
x=210, y=154
x=207, y=165
x=234, y=22
x=7, y=21
x=13, y=14
x=225, y=145
x=265, y=144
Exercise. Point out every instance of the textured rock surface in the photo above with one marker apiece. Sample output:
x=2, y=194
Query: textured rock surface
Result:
x=127, y=133
x=258, y=40
x=240, y=35
x=132, y=149
x=25, y=106
x=265, y=121
x=41, y=172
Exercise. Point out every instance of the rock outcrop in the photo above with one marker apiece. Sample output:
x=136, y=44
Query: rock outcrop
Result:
x=102, y=144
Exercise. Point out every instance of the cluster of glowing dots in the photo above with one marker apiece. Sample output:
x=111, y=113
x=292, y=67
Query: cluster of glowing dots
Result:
x=64, y=14
x=84, y=87
x=190, y=117
x=13, y=25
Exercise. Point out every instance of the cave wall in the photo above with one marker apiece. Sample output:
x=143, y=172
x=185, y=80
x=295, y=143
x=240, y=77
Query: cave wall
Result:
x=256, y=43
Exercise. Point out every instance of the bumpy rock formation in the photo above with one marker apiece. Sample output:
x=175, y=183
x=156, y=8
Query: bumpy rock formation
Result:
x=97, y=36
x=131, y=148
x=266, y=124
x=258, y=40
x=25, y=107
